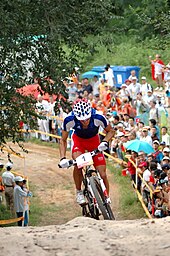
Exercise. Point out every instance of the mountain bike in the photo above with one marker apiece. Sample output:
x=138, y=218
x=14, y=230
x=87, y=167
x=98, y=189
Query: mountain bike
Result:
x=95, y=193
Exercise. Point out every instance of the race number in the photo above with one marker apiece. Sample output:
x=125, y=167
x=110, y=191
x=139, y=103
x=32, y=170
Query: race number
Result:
x=84, y=160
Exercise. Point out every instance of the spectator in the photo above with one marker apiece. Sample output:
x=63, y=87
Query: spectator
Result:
x=131, y=168
x=132, y=74
x=166, y=151
x=123, y=92
x=145, y=87
x=72, y=90
x=2, y=188
x=149, y=97
x=134, y=88
x=152, y=123
x=165, y=136
x=146, y=177
x=154, y=112
x=19, y=202
x=157, y=71
x=42, y=108
x=167, y=90
x=79, y=92
x=8, y=181
x=157, y=154
x=153, y=134
x=95, y=85
x=109, y=76
x=145, y=137
x=87, y=86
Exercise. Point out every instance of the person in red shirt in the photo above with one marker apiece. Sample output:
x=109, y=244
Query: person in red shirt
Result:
x=157, y=71
x=131, y=167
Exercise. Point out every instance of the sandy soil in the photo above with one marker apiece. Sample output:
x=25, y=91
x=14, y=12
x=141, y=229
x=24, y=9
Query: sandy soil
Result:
x=85, y=236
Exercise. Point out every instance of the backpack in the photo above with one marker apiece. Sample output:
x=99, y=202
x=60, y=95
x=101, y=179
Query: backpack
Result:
x=149, y=86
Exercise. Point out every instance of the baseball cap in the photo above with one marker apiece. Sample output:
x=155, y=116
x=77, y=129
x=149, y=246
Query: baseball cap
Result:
x=166, y=149
x=120, y=134
x=9, y=165
x=1, y=165
x=124, y=85
x=166, y=158
x=127, y=80
x=134, y=78
x=163, y=143
x=156, y=141
x=120, y=125
x=143, y=77
x=165, y=167
x=18, y=178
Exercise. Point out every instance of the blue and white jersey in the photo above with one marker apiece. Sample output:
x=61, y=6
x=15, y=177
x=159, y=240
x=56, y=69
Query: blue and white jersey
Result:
x=96, y=121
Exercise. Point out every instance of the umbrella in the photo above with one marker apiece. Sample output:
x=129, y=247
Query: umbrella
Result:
x=90, y=74
x=138, y=145
x=34, y=90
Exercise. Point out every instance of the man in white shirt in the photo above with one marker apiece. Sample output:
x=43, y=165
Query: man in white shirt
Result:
x=8, y=181
x=145, y=87
x=146, y=177
x=43, y=109
x=149, y=97
x=109, y=76
x=95, y=85
x=134, y=88
x=145, y=137
x=165, y=136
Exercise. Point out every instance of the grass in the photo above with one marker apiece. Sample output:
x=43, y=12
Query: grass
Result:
x=130, y=207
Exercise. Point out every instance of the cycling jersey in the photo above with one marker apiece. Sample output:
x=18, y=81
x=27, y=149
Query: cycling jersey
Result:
x=96, y=120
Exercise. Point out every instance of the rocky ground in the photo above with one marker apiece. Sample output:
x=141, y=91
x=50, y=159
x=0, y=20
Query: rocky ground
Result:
x=85, y=236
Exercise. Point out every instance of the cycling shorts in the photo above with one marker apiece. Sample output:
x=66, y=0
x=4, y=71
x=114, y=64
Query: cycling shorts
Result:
x=81, y=145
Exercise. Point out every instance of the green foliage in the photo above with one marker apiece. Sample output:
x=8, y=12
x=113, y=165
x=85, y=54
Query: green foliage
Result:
x=42, y=38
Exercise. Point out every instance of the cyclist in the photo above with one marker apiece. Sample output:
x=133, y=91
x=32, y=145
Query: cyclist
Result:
x=85, y=122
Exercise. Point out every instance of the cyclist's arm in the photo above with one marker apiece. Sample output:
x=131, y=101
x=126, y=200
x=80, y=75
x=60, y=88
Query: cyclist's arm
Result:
x=63, y=144
x=109, y=133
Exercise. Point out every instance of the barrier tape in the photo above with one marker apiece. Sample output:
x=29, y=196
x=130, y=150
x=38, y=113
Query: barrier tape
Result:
x=141, y=200
x=146, y=184
x=11, y=152
x=4, y=222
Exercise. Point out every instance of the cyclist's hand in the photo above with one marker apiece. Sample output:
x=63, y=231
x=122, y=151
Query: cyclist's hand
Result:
x=64, y=163
x=103, y=146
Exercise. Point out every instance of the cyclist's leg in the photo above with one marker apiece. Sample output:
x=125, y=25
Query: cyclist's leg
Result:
x=77, y=173
x=102, y=171
x=77, y=150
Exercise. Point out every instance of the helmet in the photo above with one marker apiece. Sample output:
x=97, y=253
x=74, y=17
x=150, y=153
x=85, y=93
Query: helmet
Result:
x=82, y=109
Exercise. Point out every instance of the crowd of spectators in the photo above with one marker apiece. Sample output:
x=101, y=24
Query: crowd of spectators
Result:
x=14, y=193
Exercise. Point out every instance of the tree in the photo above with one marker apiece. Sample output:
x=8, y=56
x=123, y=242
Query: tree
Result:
x=42, y=37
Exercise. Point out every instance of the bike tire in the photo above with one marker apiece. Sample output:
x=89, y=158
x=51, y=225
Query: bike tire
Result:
x=93, y=211
x=101, y=200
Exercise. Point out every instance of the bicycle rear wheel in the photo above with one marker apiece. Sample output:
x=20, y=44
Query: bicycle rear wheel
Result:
x=101, y=200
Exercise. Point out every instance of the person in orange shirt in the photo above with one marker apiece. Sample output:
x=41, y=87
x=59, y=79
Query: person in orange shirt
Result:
x=106, y=97
x=101, y=87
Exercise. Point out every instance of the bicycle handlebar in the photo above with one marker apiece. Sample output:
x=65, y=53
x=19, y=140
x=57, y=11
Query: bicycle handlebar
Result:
x=73, y=162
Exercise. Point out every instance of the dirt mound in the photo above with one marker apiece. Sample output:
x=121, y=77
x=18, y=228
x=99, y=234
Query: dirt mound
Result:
x=89, y=237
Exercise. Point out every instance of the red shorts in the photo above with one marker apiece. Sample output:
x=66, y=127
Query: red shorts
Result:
x=82, y=145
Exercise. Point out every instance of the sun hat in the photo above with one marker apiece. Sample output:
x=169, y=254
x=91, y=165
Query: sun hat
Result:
x=18, y=178
x=166, y=149
x=143, y=77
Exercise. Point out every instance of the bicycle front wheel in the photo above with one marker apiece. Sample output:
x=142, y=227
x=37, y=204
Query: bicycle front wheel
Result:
x=101, y=200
